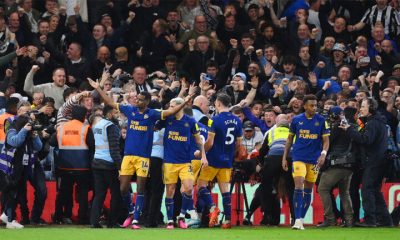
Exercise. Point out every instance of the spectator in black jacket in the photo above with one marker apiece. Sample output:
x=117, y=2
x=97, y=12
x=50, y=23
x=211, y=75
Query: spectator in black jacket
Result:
x=76, y=66
x=155, y=46
x=201, y=56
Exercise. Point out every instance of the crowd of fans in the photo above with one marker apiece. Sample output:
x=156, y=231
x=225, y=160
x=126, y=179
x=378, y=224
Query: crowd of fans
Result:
x=265, y=54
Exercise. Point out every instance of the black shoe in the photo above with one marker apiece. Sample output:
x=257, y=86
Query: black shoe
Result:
x=55, y=220
x=96, y=226
x=66, y=221
x=364, y=224
x=326, y=224
x=41, y=222
x=114, y=226
x=247, y=222
x=84, y=222
x=389, y=225
x=25, y=221
x=292, y=221
x=347, y=225
x=265, y=221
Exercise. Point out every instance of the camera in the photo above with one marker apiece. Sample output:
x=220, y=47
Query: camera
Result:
x=242, y=170
x=343, y=121
x=36, y=126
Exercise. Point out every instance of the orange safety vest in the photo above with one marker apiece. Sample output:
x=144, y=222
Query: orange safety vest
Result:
x=3, y=118
x=73, y=150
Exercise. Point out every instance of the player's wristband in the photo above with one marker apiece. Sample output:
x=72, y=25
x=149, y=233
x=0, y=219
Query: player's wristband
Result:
x=324, y=152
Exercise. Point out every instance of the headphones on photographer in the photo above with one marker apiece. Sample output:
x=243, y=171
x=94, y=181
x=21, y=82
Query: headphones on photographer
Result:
x=372, y=105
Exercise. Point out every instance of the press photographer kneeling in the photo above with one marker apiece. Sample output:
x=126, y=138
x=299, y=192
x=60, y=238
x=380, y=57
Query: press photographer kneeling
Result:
x=337, y=170
x=18, y=159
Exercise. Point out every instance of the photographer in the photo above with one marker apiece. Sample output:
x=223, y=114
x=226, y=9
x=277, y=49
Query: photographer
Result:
x=374, y=139
x=338, y=169
x=34, y=175
x=20, y=155
x=46, y=119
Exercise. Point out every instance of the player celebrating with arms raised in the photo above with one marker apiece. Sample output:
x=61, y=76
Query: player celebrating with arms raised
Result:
x=138, y=143
x=224, y=136
x=308, y=154
x=179, y=132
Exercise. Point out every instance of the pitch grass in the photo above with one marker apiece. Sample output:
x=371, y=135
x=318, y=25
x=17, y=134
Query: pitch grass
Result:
x=245, y=233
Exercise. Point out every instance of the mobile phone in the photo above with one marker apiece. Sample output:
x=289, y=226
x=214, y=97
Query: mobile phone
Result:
x=279, y=74
x=207, y=77
x=364, y=60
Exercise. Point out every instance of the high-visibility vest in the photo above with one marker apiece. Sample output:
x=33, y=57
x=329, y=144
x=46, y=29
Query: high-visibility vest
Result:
x=3, y=118
x=101, y=140
x=7, y=159
x=73, y=151
x=277, y=138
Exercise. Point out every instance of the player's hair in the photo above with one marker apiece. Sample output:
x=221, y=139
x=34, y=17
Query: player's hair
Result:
x=309, y=97
x=146, y=95
x=224, y=99
x=178, y=100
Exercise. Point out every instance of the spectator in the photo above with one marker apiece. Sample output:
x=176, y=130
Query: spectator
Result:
x=54, y=89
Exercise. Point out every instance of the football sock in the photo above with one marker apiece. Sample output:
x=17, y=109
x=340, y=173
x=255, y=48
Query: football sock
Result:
x=205, y=195
x=187, y=203
x=139, y=206
x=298, y=202
x=226, y=201
x=169, y=205
x=127, y=201
x=200, y=205
x=306, y=202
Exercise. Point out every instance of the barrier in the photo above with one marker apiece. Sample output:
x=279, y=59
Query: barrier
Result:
x=391, y=193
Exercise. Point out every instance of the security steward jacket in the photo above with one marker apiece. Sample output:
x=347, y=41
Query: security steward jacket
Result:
x=76, y=146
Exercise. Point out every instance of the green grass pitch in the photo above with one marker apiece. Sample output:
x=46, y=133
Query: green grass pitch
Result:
x=246, y=233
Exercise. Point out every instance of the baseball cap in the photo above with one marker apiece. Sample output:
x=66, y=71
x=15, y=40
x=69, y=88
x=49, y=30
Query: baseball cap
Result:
x=241, y=75
x=336, y=110
x=248, y=126
x=339, y=47
x=395, y=67
x=19, y=96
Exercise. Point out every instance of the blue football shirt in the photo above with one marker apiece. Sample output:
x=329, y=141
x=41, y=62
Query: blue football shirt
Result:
x=140, y=129
x=178, y=138
x=308, y=133
x=226, y=128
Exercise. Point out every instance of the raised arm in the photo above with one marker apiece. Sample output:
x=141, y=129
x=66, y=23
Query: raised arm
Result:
x=103, y=95
x=169, y=112
x=29, y=86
